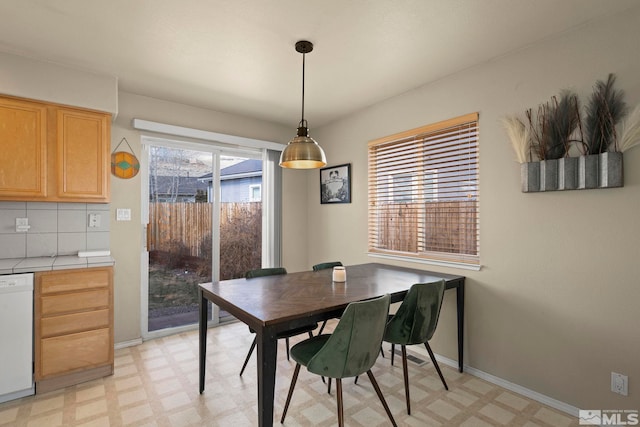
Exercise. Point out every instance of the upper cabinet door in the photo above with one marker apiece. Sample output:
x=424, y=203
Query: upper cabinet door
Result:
x=23, y=144
x=82, y=145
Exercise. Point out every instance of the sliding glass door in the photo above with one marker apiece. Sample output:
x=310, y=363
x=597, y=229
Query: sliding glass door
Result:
x=205, y=221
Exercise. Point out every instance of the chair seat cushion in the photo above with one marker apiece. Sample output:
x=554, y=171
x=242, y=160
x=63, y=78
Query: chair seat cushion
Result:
x=305, y=350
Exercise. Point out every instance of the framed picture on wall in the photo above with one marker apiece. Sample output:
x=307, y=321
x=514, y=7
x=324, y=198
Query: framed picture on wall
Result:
x=335, y=184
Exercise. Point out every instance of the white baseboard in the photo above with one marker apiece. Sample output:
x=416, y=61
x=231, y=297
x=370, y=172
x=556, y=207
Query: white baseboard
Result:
x=534, y=395
x=129, y=343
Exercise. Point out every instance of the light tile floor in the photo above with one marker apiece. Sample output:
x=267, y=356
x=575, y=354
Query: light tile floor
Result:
x=156, y=384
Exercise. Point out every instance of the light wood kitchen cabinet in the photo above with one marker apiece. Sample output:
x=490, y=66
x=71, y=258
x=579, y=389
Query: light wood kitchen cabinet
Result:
x=23, y=138
x=73, y=325
x=54, y=153
x=82, y=155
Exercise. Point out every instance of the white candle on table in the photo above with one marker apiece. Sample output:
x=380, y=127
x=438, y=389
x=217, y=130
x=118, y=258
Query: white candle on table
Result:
x=339, y=274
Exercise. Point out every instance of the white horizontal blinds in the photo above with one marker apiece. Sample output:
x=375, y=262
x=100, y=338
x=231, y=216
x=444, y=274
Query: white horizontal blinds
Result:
x=423, y=192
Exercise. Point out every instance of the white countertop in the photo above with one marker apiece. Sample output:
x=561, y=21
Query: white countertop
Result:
x=64, y=262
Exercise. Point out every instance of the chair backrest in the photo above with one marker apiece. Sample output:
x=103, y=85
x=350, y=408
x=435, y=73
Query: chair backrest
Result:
x=325, y=265
x=355, y=343
x=261, y=272
x=417, y=317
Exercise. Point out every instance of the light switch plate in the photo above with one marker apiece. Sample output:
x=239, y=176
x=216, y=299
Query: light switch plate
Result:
x=123, y=214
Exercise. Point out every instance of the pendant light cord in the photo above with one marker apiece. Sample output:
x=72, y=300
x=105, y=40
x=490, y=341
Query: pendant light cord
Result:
x=303, y=61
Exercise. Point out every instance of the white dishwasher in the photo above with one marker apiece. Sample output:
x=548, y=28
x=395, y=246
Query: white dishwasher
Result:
x=16, y=336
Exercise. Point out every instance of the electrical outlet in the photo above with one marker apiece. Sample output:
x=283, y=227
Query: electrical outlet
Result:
x=22, y=225
x=619, y=383
x=94, y=220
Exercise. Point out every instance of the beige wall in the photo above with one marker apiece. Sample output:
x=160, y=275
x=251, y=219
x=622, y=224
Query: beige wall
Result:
x=46, y=81
x=126, y=237
x=555, y=305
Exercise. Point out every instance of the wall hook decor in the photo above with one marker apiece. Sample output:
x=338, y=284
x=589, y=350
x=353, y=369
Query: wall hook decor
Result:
x=124, y=164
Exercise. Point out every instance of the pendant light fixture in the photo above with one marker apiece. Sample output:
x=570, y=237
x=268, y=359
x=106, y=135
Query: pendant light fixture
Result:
x=303, y=152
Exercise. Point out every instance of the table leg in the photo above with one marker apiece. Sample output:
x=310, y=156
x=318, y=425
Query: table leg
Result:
x=460, y=310
x=267, y=352
x=204, y=307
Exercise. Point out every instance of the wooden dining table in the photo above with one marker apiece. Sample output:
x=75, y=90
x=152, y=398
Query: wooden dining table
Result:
x=273, y=304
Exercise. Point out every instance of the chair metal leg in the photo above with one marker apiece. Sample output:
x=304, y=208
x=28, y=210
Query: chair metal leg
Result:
x=406, y=378
x=293, y=384
x=381, y=397
x=253, y=346
x=287, y=341
x=329, y=385
x=433, y=359
x=393, y=352
x=339, y=399
x=322, y=327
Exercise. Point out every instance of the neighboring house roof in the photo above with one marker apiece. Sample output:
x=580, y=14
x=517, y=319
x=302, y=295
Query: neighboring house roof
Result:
x=186, y=185
x=246, y=168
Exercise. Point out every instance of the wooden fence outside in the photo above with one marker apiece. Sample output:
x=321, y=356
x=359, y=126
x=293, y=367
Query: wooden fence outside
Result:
x=452, y=226
x=187, y=224
x=445, y=227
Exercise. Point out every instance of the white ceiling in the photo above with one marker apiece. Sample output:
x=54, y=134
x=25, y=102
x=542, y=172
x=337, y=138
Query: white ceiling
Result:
x=238, y=56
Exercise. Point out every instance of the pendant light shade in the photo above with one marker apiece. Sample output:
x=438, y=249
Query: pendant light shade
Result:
x=303, y=152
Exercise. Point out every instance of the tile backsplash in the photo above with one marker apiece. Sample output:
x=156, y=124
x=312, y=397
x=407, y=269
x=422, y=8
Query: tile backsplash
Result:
x=55, y=229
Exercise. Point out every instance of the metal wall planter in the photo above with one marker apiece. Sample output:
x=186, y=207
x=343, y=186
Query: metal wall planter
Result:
x=588, y=171
x=573, y=173
x=530, y=175
x=549, y=175
x=611, y=172
x=568, y=173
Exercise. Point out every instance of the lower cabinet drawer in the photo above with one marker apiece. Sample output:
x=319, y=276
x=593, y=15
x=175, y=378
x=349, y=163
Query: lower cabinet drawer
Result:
x=70, y=323
x=64, y=354
x=74, y=280
x=77, y=301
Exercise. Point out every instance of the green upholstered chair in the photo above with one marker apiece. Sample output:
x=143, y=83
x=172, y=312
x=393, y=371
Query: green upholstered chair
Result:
x=262, y=272
x=414, y=323
x=349, y=351
x=324, y=266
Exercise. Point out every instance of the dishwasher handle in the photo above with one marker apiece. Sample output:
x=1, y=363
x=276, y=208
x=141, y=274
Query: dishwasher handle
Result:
x=16, y=283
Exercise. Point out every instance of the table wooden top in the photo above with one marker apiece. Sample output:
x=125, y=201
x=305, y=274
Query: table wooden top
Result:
x=311, y=295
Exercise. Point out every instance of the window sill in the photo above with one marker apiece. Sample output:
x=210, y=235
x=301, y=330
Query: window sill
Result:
x=450, y=264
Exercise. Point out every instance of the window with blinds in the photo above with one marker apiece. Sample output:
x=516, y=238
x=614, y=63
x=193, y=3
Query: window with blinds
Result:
x=423, y=192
